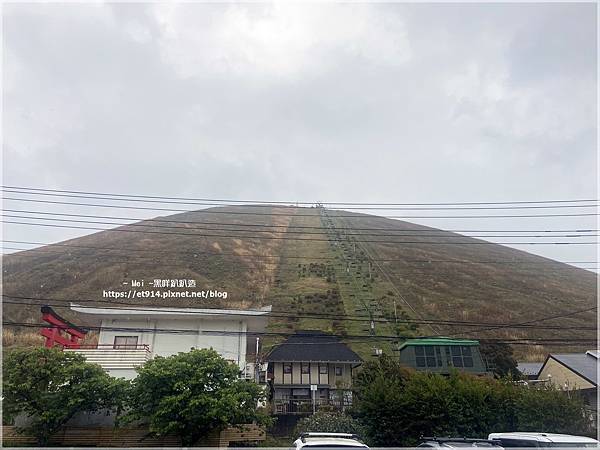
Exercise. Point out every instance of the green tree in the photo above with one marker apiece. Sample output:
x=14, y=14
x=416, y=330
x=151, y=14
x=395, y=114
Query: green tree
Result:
x=50, y=386
x=500, y=357
x=193, y=394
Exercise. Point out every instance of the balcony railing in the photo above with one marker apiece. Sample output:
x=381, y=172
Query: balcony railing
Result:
x=109, y=356
x=305, y=406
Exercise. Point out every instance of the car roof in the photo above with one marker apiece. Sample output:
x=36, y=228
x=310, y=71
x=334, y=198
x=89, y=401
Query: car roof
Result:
x=322, y=433
x=543, y=437
x=329, y=441
x=461, y=442
x=342, y=439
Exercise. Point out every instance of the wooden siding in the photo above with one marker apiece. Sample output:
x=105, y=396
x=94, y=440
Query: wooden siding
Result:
x=313, y=377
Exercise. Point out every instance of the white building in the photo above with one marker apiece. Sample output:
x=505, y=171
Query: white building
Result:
x=131, y=336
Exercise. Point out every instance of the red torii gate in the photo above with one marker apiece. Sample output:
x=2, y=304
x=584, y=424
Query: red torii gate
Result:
x=54, y=334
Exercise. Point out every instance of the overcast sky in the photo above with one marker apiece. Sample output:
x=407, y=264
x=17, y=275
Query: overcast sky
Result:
x=330, y=102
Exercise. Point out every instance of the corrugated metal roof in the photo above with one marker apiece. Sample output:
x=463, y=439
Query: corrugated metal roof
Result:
x=439, y=341
x=313, y=346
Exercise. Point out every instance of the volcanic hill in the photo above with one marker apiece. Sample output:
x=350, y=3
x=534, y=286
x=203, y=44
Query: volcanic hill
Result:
x=320, y=269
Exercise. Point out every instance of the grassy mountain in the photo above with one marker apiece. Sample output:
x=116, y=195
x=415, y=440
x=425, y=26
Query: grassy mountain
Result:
x=314, y=261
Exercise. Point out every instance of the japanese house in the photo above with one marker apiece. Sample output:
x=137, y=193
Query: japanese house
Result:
x=308, y=362
x=131, y=336
x=441, y=355
x=574, y=372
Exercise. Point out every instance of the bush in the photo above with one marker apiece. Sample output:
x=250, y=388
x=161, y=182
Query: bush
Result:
x=397, y=407
x=328, y=422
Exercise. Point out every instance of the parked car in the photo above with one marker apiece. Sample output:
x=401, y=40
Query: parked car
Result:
x=328, y=440
x=542, y=440
x=450, y=442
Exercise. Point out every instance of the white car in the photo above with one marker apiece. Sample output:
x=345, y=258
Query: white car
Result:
x=445, y=443
x=328, y=440
x=542, y=440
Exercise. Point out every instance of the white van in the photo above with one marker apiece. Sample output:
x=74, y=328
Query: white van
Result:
x=328, y=440
x=542, y=440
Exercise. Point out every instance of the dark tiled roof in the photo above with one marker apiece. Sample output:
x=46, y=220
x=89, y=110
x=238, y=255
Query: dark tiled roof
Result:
x=312, y=346
x=530, y=368
x=584, y=364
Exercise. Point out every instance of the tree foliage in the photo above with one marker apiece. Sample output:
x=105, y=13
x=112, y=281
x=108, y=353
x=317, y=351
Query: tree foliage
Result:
x=50, y=386
x=192, y=394
x=397, y=407
x=500, y=357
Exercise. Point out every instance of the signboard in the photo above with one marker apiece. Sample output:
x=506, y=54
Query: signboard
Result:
x=313, y=387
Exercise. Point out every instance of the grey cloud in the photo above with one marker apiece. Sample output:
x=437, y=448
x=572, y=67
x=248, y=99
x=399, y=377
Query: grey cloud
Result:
x=195, y=100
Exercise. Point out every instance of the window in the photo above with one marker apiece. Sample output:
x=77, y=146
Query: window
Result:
x=338, y=371
x=125, y=342
x=323, y=369
x=461, y=356
x=305, y=369
x=467, y=356
x=426, y=356
x=287, y=368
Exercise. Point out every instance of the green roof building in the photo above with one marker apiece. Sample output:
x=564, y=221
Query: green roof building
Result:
x=440, y=355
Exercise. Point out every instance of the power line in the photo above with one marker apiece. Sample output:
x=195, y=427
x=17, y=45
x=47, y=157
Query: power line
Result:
x=393, y=208
x=51, y=246
x=553, y=317
x=190, y=264
x=364, y=338
x=294, y=202
x=355, y=216
x=182, y=263
x=60, y=303
x=111, y=230
x=423, y=229
x=196, y=227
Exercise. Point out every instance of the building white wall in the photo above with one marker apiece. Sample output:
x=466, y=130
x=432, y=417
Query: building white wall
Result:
x=232, y=346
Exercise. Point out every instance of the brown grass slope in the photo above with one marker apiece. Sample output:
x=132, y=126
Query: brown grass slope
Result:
x=185, y=247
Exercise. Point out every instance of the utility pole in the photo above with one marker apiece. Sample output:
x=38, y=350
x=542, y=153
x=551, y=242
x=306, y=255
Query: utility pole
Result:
x=257, y=362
